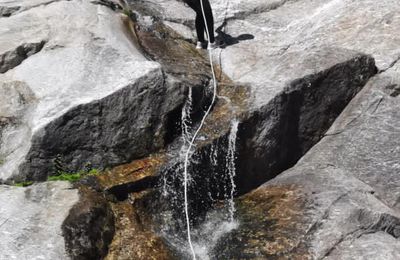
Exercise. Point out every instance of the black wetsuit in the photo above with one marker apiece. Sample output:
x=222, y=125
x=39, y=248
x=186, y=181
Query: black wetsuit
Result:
x=200, y=28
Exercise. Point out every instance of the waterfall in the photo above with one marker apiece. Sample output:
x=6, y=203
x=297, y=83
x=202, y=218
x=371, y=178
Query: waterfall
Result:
x=186, y=120
x=231, y=167
x=187, y=161
x=209, y=230
x=215, y=225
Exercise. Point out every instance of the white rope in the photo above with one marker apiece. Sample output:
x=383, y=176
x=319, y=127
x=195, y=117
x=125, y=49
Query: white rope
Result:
x=187, y=155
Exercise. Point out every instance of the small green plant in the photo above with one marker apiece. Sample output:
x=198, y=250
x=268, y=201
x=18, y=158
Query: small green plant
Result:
x=23, y=184
x=127, y=12
x=72, y=176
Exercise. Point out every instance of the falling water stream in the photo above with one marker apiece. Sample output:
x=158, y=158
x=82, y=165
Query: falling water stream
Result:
x=203, y=234
x=231, y=168
x=207, y=228
x=188, y=152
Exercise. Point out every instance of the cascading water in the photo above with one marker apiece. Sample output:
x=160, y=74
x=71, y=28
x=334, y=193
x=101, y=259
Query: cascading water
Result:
x=208, y=226
x=209, y=178
x=213, y=222
x=186, y=120
x=231, y=167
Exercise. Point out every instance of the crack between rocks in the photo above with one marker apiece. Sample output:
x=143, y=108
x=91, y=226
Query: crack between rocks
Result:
x=348, y=127
x=381, y=225
x=326, y=214
x=372, y=229
x=20, y=9
x=110, y=4
x=391, y=65
x=8, y=11
x=341, y=240
x=4, y=222
x=319, y=222
x=14, y=58
x=256, y=11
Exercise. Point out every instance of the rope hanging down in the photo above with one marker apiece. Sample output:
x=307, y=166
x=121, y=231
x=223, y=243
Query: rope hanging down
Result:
x=187, y=155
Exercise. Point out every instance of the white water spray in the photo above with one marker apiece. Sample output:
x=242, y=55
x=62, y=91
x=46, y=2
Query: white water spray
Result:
x=188, y=151
x=230, y=165
x=186, y=120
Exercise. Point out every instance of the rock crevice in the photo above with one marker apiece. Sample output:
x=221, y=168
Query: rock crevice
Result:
x=11, y=59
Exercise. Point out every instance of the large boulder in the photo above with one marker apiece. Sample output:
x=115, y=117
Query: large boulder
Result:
x=341, y=198
x=272, y=42
x=31, y=219
x=75, y=87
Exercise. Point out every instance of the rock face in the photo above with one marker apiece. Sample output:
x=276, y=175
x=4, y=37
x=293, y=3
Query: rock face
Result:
x=344, y=192
x=93, y=88
x=12, y=7
x=346, y=184
x=31, y=219
x=89, y=227
x=278, y=134
x=76, y=82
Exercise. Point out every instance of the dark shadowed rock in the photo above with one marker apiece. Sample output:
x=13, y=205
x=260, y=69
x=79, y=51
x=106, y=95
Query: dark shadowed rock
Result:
x=89, y=228
x=278, y=134
x=347, y=182
x=86, y=81
x=134, y=237
x=13, y=58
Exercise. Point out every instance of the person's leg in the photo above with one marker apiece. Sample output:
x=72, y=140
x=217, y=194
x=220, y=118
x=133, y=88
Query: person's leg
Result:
x=200, y=27
x=199, y=22
x=210, y=19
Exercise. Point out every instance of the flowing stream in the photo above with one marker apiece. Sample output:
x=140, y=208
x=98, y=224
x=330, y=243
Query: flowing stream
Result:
x=206, y=230
x=202, y=233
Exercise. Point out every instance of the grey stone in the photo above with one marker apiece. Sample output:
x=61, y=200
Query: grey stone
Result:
x=346, y=186
x=286, y=33
x=95, y=95
x=31, y=219
x=303, y=61
x=89, y=227
x=13, y=58
x=344, y=192
x=12, y=7
x=360, y=248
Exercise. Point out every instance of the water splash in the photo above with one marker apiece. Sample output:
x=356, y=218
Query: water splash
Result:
x=209, y=233
x=188, y=154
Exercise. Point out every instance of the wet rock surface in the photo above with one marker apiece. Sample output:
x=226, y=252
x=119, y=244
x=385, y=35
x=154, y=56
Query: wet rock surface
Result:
x=270, y=226
x=346, y=185
x=89, y=227
x=286, y=79
x=111, y=219
x=134, y=238
x=348, y=181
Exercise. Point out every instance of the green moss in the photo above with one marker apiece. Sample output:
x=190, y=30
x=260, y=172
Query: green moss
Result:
x=73, y=176
x=66, y=176
x=127, y=12
x=23, y=184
